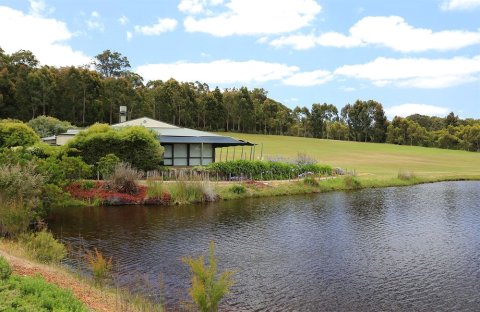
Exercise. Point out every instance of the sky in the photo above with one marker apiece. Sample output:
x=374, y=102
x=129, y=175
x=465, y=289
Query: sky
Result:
x=413, y=56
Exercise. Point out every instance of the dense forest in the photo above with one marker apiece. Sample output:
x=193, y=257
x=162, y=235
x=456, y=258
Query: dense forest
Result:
x=93, y=93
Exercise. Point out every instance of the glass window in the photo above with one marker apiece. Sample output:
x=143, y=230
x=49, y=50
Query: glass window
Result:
x=180, y=150
x=167, y=161
x=195, y=150
x=179, y=161
x=207, y=160
x=195, y=161
x=207, y=150
x=168, y=151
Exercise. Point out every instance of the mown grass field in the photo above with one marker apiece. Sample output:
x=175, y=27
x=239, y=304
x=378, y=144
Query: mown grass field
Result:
x=367, y=159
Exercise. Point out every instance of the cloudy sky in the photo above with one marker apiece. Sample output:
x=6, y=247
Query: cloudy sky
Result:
x=413, y=56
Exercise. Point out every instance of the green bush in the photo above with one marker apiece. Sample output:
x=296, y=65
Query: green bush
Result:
x=5, y=269
x=20, y=188
x=16, y=134
x=34, y=294
x=266, y=170
x=46, y=126
x=106, y=165
x=237, y=189
x=208, y=289
x=136, y=145
x=43, y=247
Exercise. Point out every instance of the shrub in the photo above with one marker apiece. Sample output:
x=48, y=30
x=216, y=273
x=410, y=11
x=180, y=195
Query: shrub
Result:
x=99, y=265
x=135, y=145
x=311, y=181
x=16, y=134
x=46, y=126
x=352, y=182
x=5, y=269
x=106, y=164
x=20, y=187
x=264, y=170
x=208, y=289
x=34, y=294
x=87, y=185
x=406, y=175
x=238, y=189
x=123, y=179
x=43, y=247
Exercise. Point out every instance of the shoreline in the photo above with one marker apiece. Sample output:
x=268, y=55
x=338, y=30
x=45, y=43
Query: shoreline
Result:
x=228, y=190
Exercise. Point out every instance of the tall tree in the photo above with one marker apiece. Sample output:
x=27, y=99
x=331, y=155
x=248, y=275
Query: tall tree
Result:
x=111, y=64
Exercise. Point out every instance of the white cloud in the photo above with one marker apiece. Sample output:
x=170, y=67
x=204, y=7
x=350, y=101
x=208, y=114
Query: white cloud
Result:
x=404, y=110
x=450, y=5
x=250, y=17
x=309, y=79
x=218, y=72
x=388, y=31
x=45, y=37
x=94, y=22
x=123, y=20
x=197, y=6
x=298, y=42
x=163, y=25
x=129, y=35
x=416, y=72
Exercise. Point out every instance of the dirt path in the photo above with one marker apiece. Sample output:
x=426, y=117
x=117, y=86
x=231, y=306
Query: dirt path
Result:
x=94, y=299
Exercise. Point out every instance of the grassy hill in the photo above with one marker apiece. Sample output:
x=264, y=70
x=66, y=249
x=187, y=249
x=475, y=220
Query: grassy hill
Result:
x=368, y=159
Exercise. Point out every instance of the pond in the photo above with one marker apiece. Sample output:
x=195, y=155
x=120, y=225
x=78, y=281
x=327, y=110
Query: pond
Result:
x=404, y=248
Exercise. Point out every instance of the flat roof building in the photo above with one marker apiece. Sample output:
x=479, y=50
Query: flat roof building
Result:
x=183, y=146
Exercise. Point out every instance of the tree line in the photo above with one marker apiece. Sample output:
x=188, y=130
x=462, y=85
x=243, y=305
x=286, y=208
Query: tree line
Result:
x=94, y=92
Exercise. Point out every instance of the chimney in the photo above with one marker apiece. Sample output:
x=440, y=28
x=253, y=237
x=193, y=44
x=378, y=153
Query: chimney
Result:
x=123, y=113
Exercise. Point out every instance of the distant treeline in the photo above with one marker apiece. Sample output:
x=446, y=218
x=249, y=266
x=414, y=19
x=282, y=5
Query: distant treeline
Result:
x=83, y=96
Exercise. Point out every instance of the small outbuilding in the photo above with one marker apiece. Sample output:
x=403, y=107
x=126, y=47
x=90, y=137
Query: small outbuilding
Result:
x=183, y=146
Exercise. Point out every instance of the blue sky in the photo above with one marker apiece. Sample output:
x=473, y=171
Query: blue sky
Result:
x=413, y=56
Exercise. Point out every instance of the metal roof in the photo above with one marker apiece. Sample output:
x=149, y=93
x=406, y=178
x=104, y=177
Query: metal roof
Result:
x=173, y=134
x=221, y=141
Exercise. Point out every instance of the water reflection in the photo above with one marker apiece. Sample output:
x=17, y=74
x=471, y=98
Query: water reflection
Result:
x=410, y=248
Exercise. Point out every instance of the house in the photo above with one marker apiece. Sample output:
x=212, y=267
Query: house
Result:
x=183, y=146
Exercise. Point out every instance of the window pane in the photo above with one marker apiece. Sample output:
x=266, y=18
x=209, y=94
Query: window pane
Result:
x=207, y=150
x=207, y=160
x=168, y=151
x=168, y=162
x=195, y=150
x=179, y=161
x=194, y=161
x=180, y=150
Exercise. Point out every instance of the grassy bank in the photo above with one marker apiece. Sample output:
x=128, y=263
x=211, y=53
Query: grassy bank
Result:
x=42, y=278
x=228, y=191
x=367, y=159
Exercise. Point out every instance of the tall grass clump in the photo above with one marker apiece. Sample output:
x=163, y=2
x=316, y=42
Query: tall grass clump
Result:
x=100, y=265
x=20, y=189
x=351, y=182
x=123, y=179
x=406, y=175
x=184, y=192
x=310, y=181
x=209, y=191
x=208, y=288
x=5, y=269
x=43, y=247
x=237, y=189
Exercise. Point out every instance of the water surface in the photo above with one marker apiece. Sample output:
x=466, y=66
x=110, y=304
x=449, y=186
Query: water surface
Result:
x=407, y=248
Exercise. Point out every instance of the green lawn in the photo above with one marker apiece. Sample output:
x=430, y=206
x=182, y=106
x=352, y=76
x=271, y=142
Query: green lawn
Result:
x=368, y=159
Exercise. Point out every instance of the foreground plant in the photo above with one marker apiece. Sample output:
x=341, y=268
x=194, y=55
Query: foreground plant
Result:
x=208, y=288
x=43, y=247
x=100, y=265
